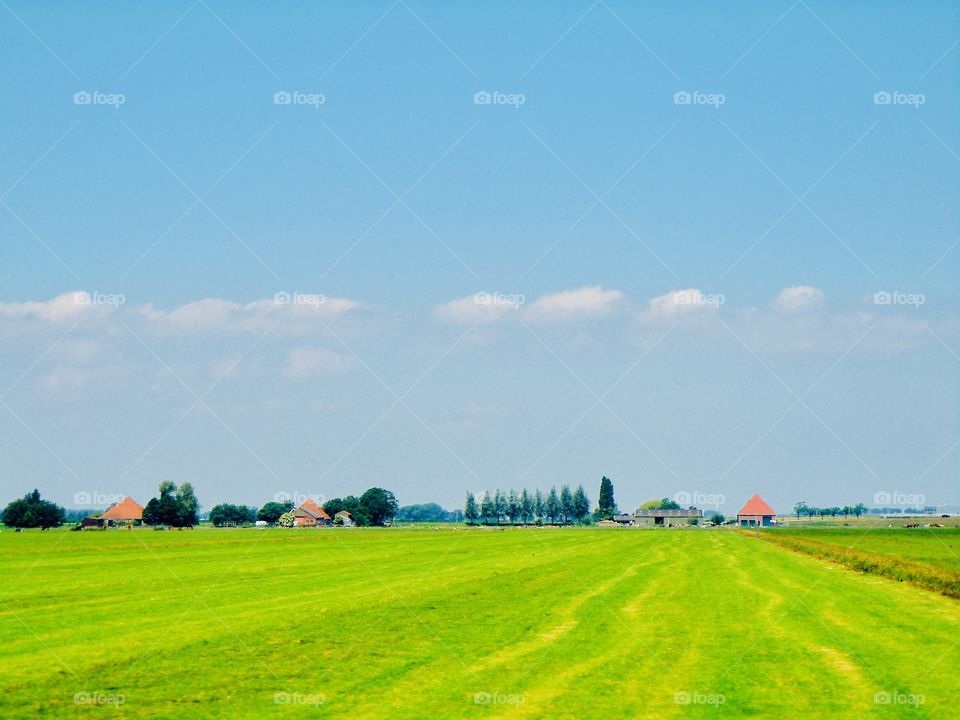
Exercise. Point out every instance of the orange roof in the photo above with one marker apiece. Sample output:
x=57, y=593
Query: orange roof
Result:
x=312, y=507
x=756, y=506
x=126, y=509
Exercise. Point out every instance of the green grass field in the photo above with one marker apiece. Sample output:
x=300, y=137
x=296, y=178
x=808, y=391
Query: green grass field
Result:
x=929, y=557
x=415, y=623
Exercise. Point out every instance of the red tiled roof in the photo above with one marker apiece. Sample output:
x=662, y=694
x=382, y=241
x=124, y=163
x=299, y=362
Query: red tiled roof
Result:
x=311, y=507
x=756, y=506
x=126, y=509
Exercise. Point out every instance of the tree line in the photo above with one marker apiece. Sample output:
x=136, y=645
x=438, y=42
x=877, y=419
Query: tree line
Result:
x=178, y=506
x=801, y=508
x=553, y=508
x=31, y=511
x=376, y=506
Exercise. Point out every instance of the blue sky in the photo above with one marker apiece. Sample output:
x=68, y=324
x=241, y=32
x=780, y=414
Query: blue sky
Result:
x=679, y=295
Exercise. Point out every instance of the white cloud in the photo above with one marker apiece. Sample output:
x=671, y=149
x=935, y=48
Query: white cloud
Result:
x=490, y=307
x=218, y=315
x=481, y=307
x=63, y=308
x=573, y=304
x=72, y=380
x=683, y=303
x=306, y=363
x=800, y=298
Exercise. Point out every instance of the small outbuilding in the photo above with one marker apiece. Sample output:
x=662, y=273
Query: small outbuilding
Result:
x=756, y=513
x=343, y=518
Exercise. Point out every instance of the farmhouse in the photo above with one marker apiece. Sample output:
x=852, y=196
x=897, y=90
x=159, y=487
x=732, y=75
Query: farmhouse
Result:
x=756, y=512
x=651, y=517
x=126, y=511
x=309, y=514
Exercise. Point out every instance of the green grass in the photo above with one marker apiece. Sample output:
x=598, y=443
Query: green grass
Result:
x=414, y=623
x=929, y=557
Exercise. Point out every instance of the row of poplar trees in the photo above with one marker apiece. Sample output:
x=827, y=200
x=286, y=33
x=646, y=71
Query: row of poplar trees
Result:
x=557, y=508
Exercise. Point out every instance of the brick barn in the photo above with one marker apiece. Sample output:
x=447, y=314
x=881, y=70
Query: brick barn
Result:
x=126, y=511
x=309, y=514
x=756, y=512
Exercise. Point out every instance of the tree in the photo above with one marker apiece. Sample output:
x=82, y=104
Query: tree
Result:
x=513, y=506
x=225, y=514
x=151, y=513
x=425, y=512
x=718, y=519
x=31, y=511
x=352, y=505
x=499, y=505
x=174, y=506
x=581, y=504
x=566, y=504
x=552, y=505
x=470, y=509
x=668, y=504
x=606, y=505
x=800, y=508
x=285, y=520
x=486, y=508
x=188, y=506
x=526, y=506
x=538, y=504
x=161, y=510
x=378, y=506
x=859, y=509
x=270, y=512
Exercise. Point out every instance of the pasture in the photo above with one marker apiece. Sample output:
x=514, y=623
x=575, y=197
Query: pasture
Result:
x=450, y=623
x=929, y=557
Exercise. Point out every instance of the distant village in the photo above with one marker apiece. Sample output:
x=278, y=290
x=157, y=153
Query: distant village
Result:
x=178, y=507
x=565, y=507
